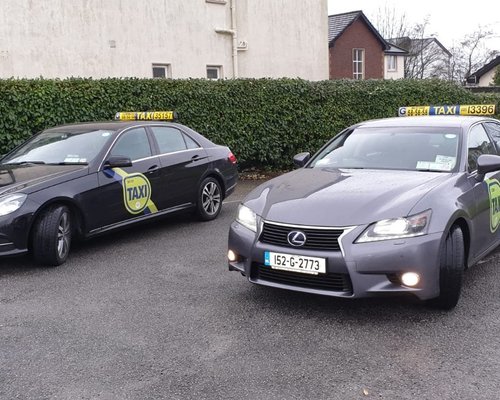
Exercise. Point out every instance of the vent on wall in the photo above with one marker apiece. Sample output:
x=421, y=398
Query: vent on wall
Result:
x=242, y=45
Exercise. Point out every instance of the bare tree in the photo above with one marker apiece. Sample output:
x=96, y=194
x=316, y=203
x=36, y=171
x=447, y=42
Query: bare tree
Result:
x=470, y=54
x=426, y=55
x=390, y=24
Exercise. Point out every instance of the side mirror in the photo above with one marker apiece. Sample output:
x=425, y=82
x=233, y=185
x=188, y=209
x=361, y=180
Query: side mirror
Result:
x=487, y=163
x=117, y=162
x=301, y=159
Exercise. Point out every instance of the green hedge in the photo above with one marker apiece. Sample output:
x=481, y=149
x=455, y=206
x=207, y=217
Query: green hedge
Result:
x=264, y=121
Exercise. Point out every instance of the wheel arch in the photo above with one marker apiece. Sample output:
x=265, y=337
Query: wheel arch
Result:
x=217, y=176
x=462, y=223
x=75, y=210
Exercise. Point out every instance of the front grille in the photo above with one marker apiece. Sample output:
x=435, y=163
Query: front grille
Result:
x=336, y=282
x=317, y=239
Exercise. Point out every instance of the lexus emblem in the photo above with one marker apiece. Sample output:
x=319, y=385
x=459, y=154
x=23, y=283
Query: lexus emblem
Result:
x=296, y=238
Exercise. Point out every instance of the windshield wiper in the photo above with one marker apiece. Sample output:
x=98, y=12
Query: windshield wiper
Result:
x=68, y=163
x=430, y=170
x=24, y=162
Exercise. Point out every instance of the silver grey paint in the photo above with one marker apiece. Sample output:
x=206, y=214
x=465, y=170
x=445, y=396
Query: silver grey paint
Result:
x=347, y=198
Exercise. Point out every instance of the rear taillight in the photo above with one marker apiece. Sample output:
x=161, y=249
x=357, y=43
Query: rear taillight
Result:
x=232, y=158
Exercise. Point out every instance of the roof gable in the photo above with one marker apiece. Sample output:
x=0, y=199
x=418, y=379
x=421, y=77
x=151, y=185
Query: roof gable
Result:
x=486, y=68
x=409, y=44
x=338, y=23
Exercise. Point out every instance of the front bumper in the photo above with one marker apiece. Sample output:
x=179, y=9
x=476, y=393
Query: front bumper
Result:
x=15, y=229
x=359, y=270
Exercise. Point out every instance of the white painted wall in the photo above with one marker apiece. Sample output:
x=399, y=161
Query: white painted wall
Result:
x=61, y=38
x=399, y=73
x=292, y=40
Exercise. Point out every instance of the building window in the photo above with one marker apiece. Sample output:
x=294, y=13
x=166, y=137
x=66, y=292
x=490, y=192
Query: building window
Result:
x=392, y=63
x=358, y=56
x=214, y=72
x=162, y=71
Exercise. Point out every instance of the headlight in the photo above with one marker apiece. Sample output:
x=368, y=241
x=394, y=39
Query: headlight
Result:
x=398, y=228
x=11, y=203
x=247, y=218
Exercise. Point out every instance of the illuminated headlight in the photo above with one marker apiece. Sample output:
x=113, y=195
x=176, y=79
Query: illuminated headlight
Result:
x=397, y=228
x=11, y=203
x=232, y=256
x=247, y=218
x=410, y=279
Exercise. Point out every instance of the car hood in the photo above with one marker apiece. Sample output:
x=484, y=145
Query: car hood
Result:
x=333, y=197
x=29, y=177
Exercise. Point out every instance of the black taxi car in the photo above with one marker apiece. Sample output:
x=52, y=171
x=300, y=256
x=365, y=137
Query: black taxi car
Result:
x=81, y=180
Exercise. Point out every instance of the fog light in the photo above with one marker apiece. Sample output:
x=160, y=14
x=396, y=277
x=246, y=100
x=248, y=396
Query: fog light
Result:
x=410, y=279
x=231, y=256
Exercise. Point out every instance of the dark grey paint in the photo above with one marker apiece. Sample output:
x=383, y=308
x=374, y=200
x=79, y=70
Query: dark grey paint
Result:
x=353, y=199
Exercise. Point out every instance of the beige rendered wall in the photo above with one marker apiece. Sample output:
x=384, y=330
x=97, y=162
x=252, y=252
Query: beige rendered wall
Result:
x=289, y=39
x=121, y=38
x=400, y=70
x=487, y=78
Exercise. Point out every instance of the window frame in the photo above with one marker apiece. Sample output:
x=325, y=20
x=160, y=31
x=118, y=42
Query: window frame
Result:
x=356, y=63
x=390, y=67
x=156, y=145
x=492, y=143
x=124, y=132
x=490, y=131
x=167, y=68
x=217, y=68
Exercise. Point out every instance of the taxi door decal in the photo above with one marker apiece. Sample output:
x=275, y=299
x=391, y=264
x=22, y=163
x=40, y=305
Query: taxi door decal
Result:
x=494, y=197
x=136, y=191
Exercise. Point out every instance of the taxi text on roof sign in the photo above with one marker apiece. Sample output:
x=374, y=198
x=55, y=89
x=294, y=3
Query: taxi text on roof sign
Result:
x=475, y=109
x=146, y=116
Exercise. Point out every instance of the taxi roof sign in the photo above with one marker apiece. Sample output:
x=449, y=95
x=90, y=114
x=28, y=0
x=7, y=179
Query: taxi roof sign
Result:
x=474, y=109
x=146, y=116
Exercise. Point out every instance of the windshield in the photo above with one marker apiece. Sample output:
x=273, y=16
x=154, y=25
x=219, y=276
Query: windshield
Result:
x=58, y=147
x=415, y=148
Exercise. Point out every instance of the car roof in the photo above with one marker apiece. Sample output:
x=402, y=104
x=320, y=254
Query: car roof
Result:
x=106, y=125
x=451, y=121
x=120, y=125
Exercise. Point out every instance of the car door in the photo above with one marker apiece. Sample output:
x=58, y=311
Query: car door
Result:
x=485, y=228
x=183, y=163
x=130, y=192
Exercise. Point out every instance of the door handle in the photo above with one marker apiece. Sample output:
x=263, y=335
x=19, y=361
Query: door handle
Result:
x=153, y=168
x=196, y=157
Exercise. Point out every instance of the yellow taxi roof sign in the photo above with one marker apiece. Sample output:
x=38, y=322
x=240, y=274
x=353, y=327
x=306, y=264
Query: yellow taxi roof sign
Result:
x=146, y=116
x=474, y=109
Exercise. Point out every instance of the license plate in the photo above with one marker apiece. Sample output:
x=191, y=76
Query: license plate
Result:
x=290, y=262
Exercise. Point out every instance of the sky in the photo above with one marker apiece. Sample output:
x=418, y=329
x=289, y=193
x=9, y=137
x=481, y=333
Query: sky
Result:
x=449, y=21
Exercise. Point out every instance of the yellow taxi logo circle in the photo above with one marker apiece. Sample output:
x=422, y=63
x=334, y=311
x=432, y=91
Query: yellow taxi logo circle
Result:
x=494, y=195
x=136, y=193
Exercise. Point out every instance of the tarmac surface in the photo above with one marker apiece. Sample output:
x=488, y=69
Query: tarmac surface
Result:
x=153, y=313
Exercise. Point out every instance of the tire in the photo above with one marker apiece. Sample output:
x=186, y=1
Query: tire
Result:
x=451, y=270
x=52, y=236
x=209, y=201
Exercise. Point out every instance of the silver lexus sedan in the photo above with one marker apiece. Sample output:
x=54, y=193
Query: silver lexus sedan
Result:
x=399, y=206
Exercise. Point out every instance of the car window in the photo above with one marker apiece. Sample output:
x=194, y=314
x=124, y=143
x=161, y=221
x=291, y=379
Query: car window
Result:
x=191, y=144
x=399, y=148
x=171, y=139
x=478, y=143
x=72, y=146
x=133, y=143
x=493, y=129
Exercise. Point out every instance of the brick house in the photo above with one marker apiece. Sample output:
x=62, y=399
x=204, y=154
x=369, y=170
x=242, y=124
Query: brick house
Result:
x=356, y=49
